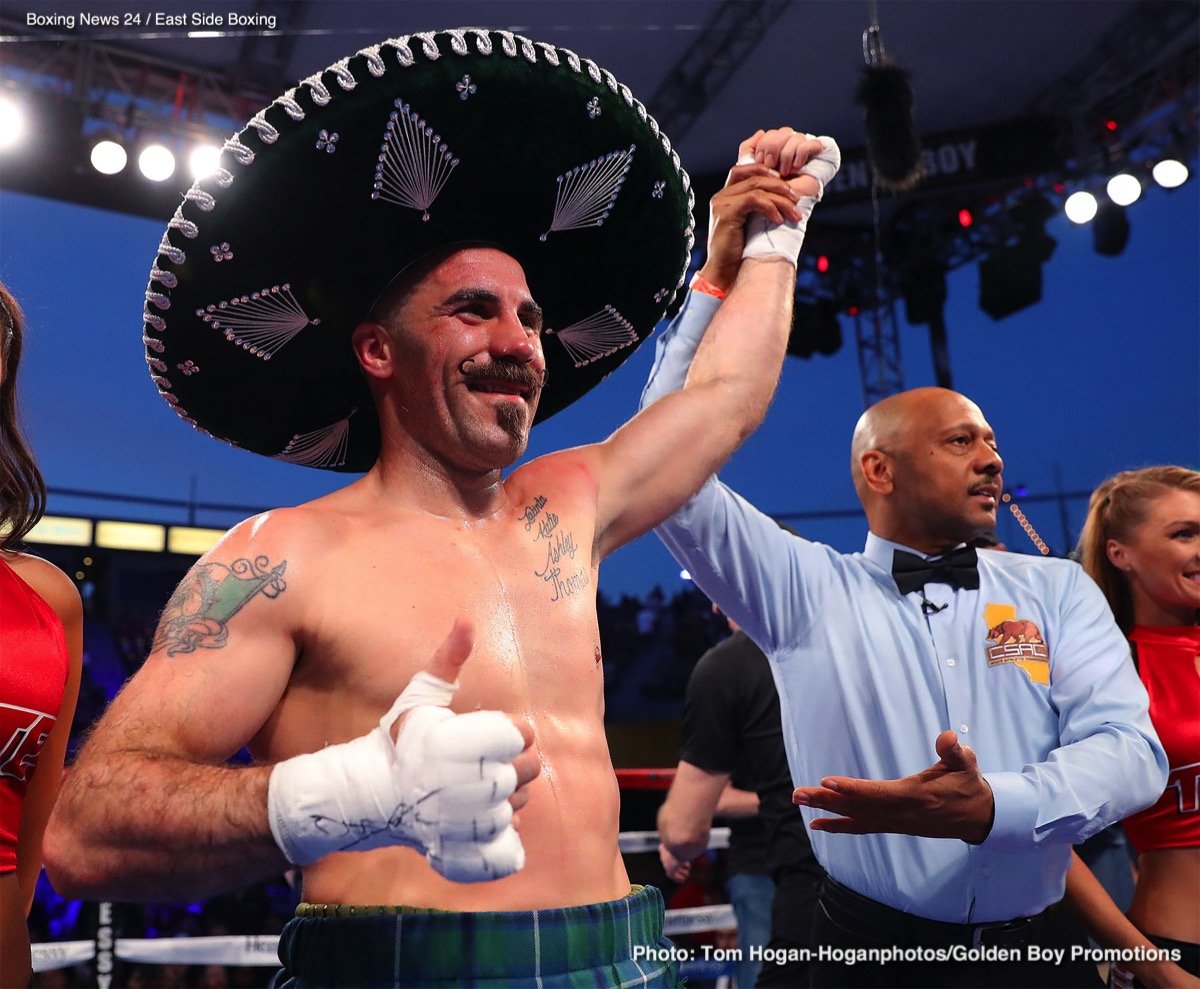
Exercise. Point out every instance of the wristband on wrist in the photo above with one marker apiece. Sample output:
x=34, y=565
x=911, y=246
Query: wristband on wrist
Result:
x=701, y=284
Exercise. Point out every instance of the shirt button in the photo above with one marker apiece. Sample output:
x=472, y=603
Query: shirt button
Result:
x=963, y=729
x=951, y=662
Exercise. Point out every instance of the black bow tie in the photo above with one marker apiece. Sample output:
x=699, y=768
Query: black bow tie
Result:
x=959, y=568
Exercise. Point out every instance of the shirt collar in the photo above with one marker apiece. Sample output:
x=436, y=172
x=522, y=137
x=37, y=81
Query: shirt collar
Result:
x=879, y=551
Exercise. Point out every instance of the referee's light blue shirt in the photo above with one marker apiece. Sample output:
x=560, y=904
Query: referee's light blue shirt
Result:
x=1030, y=670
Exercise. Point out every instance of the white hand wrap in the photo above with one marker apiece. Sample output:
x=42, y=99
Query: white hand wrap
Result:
x=766, y=239
x=441, y=788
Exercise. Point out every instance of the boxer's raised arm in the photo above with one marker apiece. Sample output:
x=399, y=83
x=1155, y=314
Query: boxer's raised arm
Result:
x=657, y=460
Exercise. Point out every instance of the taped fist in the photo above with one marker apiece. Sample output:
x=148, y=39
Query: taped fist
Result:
x=442, y=786
x=794, y=156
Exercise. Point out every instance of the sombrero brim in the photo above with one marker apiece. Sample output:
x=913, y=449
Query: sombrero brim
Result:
x=406, y=147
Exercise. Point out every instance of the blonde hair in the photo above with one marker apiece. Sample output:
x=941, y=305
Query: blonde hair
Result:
x=1117, y=507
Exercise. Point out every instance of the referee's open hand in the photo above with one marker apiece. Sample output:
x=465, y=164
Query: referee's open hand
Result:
x=950, y=799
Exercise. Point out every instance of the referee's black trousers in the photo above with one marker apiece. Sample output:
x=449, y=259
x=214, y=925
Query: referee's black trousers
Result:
x=1021, y=954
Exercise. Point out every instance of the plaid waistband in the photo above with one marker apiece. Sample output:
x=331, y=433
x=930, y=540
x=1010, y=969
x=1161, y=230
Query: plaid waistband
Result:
x=400, y=945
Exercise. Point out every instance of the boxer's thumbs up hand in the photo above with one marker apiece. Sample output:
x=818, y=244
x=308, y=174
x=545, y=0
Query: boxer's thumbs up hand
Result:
x=448, y=660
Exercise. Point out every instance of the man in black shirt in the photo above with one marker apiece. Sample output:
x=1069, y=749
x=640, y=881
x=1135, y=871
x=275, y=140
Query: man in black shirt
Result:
x=732, y=732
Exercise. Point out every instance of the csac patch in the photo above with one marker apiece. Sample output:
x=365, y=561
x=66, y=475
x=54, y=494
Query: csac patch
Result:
x=1016, y=640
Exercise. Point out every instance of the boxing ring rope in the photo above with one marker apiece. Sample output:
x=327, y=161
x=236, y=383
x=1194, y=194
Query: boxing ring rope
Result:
x=262, y=949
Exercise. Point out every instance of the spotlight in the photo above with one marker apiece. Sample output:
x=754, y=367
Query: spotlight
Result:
x=1110, y=232
x=815, y=329
x=12, y=122
x=1010, y=279
x=1170, y=173
x=823, y=263
x=965, y=219
x=108, y=157
x=1080, y=207
x=1124, y=189
x=156, y=163
x=204, y=160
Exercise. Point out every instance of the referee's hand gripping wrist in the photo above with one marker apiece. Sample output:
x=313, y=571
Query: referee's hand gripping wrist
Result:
x=440, y=783
x=765, y=239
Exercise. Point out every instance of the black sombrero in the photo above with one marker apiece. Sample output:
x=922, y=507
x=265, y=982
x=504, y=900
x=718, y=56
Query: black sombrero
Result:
x=410, y=145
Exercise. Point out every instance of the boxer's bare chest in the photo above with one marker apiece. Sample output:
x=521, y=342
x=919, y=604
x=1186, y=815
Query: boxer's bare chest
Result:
x=385, y=596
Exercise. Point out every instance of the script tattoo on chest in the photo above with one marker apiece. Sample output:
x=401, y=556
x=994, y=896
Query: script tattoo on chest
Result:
x=530, y=513
x=198, y=613
x=560, y=570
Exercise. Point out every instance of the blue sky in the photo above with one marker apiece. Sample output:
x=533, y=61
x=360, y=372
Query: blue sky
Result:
x=1102, y=375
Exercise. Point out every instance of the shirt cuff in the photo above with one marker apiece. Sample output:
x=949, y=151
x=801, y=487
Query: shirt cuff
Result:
x=697, y=312
x=1016, y=808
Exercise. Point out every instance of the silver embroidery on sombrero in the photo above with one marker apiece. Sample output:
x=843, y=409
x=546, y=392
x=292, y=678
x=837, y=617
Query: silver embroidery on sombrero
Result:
x=378, y=64
x=586, y=193
x=414, y=162
x=261, y=322
x=324, y=447
x=598, y=335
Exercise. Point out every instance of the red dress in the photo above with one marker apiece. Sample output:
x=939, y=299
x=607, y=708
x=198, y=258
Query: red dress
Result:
x=1169, y=664
x=33, y=676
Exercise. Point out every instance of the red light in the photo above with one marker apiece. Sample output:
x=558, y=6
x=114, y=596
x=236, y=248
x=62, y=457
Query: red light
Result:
x=822, y=264
x=965, y=219
x=1059, y=188
x=1110, y=125
x=853, y=311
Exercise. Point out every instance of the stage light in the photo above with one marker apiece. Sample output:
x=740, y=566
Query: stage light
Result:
x=111, y=534
x=12, y=122
x=108, y=157
x=204, y=160
x=1010, y=279
x=822, y=264
x=192, y=541
x=965, y=219
x=61, y=530
x=815, y=329
x=156, y=162
x=1080, y=207
x=1110, y=231
x=1169, y=173
x=1124, y=189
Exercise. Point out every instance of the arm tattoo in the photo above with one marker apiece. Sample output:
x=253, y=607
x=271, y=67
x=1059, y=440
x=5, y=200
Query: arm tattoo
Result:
x=197, y=616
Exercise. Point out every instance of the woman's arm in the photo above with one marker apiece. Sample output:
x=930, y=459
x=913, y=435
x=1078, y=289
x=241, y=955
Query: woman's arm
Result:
x=1110, y=928
x=57, y=590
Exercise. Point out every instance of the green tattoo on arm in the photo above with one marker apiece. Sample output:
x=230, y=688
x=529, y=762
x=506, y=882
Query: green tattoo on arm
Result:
x=198, y=614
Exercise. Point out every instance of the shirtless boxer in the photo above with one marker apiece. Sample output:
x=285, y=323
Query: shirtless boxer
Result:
x=303, y=625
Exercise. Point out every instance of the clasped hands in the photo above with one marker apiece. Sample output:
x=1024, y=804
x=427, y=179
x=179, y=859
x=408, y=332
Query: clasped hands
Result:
x=950, y=799
x=763, y=209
